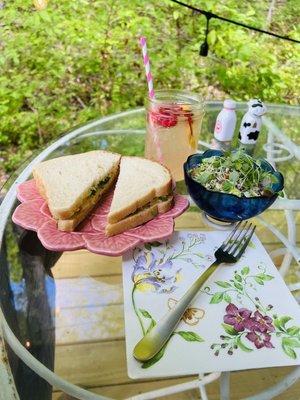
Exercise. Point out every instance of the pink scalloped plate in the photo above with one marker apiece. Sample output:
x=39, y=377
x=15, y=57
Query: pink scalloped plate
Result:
x=33, y=214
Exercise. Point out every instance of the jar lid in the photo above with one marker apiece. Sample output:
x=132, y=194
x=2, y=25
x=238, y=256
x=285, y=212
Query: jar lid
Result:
x=228, y=103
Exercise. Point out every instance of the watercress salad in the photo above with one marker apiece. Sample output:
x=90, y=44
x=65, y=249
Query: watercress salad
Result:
x=235, y=173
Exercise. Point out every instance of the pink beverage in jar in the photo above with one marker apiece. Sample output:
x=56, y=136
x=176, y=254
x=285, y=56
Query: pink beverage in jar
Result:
x=174, y=121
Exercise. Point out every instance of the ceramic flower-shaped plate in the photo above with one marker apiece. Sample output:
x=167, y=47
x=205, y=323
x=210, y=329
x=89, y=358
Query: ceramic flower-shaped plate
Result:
x=33, y=214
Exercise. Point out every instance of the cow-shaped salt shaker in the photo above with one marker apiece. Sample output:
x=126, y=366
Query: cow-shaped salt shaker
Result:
x=251, y=122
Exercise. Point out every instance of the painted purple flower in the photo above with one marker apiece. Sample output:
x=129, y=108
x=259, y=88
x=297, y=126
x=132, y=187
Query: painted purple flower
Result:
x=250, y=324
x=162, y=276
x=261, y=323
x=237, y=317
x=260, y=339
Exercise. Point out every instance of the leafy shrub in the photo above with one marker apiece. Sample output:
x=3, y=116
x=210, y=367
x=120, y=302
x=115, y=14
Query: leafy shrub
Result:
x=77, y=60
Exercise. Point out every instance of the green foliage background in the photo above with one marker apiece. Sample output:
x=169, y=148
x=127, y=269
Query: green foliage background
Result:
x=78, y=60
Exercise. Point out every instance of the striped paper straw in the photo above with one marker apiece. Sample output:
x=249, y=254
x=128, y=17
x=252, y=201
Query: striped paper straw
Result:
x=143, y=44
x=146, y=61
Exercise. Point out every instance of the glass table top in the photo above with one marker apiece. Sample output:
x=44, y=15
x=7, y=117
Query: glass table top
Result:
x=66, y=308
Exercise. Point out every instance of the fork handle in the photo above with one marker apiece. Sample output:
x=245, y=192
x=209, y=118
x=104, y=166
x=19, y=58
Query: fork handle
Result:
x=154, y=340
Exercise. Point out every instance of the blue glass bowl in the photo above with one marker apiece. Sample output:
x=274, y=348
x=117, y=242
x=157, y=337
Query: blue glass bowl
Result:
x=223, y=206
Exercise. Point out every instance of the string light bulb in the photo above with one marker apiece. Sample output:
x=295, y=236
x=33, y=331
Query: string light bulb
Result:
x=204, y=46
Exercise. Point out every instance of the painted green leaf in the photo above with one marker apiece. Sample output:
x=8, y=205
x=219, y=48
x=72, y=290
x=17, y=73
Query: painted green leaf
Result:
x=229, y=329
x=265, y=277
x=190, y=336
x=238, y=286
x=148, y=246
x=245, y=271
x=269, y=277
x=156, y=358
x=217, y=298
x=145, y=313
x=283, y=320
x=238, y=277
x=223, y=284
x=152, y=325
x=242, y=346
x=277, y=324
x=290, y=342
x=259, y=281
x=289, y=352
x=227, y=298
x=280, y=322
x=293, y=330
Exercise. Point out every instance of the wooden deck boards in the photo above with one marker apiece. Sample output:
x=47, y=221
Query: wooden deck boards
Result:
x=90, y=347
x=243, y=384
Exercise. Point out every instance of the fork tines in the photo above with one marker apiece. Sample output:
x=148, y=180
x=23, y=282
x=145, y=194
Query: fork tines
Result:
x=239, y=238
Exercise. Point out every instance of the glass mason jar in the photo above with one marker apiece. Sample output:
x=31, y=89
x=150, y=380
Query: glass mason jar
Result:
x=174, y=121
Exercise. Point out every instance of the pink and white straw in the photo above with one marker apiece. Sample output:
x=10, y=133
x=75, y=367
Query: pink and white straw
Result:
x=146, y=60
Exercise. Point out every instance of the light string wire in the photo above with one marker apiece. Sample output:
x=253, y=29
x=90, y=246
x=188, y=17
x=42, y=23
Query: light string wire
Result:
x=210, y=15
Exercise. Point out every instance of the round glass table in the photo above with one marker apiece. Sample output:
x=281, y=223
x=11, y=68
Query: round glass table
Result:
x=61, y=317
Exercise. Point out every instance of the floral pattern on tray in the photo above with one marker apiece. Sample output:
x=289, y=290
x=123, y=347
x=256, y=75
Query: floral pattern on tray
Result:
x=244, y=317
x=252, y=328
x=159, y=274
x=33, y=214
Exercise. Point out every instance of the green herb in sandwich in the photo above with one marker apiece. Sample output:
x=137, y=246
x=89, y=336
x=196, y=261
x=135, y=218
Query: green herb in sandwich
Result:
x=100, y=185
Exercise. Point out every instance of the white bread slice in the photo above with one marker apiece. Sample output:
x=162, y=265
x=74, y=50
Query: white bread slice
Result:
x=140, y=181
x=65, y=182
x=69, y=225
x=139, y=218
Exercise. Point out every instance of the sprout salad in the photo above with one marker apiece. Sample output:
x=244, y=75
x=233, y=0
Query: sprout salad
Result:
x=235, y=173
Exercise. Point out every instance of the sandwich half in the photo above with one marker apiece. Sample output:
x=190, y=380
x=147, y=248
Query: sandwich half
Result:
x=143, y=190
x=72, y=185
